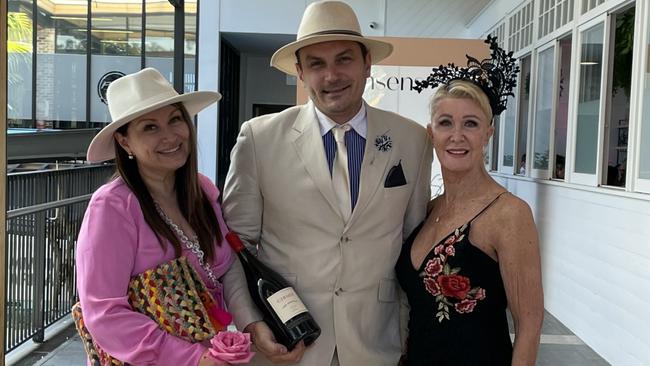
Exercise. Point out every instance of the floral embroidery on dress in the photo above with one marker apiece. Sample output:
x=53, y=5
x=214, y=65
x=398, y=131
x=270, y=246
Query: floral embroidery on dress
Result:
x=446, y=284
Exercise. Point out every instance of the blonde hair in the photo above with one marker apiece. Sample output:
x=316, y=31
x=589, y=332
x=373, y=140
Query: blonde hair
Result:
x=462, y=89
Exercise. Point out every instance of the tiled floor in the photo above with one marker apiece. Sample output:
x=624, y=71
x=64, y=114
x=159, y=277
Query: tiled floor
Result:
x=559, y=347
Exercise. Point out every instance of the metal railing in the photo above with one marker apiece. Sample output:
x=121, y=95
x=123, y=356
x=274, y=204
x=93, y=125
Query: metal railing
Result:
x=46, y=210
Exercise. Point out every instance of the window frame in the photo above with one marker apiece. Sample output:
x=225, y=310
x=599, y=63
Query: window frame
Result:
x=543, y=173
x=640, y=66
x=531, y=104
x=502, y=130
x=584, y=178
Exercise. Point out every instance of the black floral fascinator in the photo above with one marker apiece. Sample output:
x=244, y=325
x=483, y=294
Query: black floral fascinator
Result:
x=496, y=76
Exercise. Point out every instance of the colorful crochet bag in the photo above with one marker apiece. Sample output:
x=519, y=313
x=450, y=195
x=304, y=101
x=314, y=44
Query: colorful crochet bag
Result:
x=174, y=296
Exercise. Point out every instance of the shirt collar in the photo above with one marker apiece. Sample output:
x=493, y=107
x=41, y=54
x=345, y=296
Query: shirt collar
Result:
x=359, y=122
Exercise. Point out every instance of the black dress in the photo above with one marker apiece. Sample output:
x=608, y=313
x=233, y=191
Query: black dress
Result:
x=458, y=304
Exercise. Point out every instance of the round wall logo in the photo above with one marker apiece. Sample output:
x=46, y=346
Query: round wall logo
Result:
x=105, y=81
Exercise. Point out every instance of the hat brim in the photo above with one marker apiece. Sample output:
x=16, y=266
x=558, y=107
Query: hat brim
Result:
x=284, y=59
x=102, y=147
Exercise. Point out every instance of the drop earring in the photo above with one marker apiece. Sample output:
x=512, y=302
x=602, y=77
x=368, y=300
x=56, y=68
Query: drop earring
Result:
x=130, y=157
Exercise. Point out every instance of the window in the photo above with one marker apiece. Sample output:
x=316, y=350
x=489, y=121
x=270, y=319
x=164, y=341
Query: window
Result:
x=116, y=37
x=521, y=28
x=553, y=15
x=499, y=31
x=61, y=67
x=191, y=9
x=52, y=90
x=522, y=120
x=543, y=110
x=589, y=104
x=562, y=108
x=491, y=157
x=590, y=4
x=508, y=135
x=19, y=63
x=618, y=100
x=643, y=181
x=159, y=37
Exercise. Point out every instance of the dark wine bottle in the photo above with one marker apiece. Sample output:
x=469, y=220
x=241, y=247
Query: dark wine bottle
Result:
x=281, y=307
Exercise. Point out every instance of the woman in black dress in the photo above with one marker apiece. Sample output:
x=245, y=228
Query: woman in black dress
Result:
x=477, y=252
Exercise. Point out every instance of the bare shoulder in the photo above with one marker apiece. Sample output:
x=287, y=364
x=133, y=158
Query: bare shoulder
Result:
x=513, y=223
x=513, y=209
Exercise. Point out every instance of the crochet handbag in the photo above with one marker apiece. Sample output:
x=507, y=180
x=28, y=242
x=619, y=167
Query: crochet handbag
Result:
x=174, y=296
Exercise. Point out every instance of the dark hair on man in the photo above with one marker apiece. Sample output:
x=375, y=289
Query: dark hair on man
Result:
x=364, y=52
x=194, y=204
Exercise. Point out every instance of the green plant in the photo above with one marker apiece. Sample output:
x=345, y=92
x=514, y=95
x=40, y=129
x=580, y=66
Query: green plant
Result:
x=623, y=47
x=19, y=43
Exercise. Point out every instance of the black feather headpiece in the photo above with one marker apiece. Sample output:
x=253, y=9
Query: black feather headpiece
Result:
x=496, y=76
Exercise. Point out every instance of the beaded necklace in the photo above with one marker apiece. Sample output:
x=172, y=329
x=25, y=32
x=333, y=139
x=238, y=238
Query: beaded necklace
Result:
x=191, y=244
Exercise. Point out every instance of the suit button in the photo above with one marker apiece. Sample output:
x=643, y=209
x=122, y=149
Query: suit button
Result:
x=338, y=291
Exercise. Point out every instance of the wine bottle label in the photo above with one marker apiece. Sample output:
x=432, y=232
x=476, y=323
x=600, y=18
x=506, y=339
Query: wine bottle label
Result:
x=286, y=304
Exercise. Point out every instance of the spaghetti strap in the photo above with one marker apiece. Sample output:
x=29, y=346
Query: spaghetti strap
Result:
x=487, y=206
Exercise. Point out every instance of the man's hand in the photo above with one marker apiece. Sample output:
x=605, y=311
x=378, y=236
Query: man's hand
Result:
x=264, y=341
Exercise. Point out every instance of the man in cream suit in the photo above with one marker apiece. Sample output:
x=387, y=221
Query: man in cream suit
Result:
x=327, y=191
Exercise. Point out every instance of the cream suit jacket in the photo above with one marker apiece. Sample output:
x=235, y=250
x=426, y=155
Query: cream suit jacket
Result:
x=278, y=193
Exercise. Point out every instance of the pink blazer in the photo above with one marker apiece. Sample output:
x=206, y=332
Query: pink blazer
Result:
x=114, y=244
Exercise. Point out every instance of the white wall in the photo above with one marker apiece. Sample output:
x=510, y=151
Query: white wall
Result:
x=261, y=16
x=595, y=264
x=208, y=80
x=257, y=79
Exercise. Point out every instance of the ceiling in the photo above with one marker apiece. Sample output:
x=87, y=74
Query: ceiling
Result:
x=406, y=18
x=432, y=18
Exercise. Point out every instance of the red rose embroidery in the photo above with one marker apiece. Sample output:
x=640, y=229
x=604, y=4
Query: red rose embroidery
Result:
x=454, y=286
x=433, y=267
x=443, y=281
x=431, y=286
x=465, y=306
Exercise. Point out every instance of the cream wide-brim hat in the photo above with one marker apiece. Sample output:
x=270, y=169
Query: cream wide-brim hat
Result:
x=326, y=21
x=135, y=95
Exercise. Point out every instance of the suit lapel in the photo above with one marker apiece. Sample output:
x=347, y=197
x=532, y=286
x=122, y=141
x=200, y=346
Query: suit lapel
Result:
x=374, y=163
x=309, y=146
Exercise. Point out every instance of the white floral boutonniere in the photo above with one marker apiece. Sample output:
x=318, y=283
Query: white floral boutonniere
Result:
x=383, y=142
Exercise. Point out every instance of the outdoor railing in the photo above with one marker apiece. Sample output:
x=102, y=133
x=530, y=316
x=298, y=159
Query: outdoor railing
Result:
x=45, y=212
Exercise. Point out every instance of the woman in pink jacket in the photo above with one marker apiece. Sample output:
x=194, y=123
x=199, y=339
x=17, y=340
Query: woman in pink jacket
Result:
x=156, y=209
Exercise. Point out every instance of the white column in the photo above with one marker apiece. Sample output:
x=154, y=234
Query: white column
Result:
x=208, y=79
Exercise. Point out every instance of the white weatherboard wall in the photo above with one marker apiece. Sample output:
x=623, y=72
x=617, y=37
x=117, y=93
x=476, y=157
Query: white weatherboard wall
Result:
x=595, y=264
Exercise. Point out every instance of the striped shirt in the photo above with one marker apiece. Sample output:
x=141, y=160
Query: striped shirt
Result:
x=355, y=143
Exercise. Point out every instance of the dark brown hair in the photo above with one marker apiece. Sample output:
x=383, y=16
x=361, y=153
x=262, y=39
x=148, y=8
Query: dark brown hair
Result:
x=194, y=204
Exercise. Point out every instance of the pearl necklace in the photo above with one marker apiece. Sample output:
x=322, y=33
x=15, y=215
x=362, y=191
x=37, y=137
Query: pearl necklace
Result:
x=191, y=244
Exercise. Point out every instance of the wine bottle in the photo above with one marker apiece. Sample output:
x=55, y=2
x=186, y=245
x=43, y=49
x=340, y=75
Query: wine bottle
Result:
x=281, y=307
